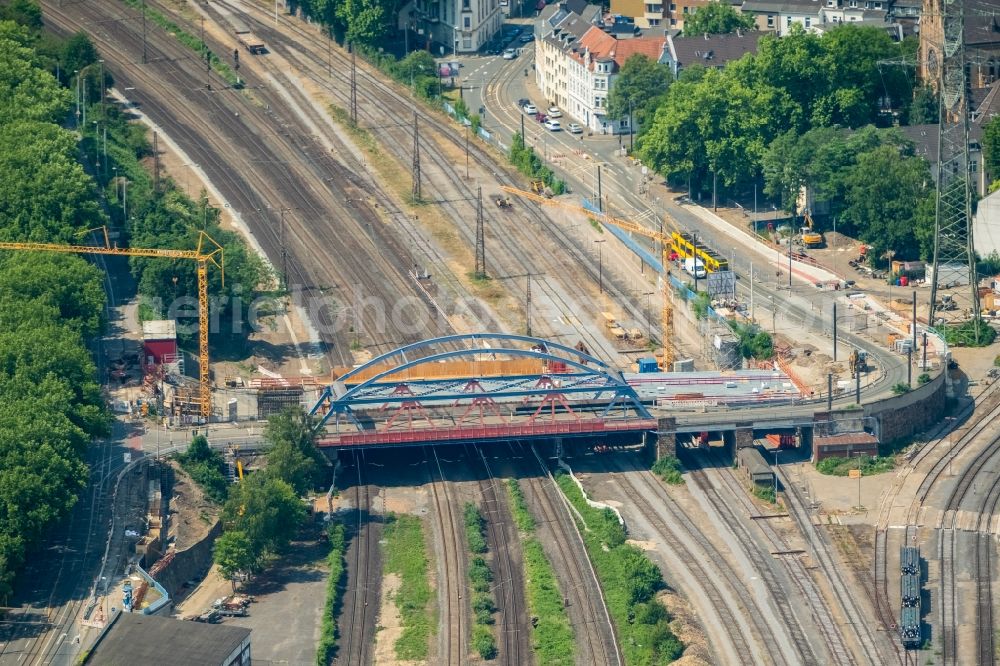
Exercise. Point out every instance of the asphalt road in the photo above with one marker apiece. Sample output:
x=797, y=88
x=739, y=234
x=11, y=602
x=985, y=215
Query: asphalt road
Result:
x=621, y=183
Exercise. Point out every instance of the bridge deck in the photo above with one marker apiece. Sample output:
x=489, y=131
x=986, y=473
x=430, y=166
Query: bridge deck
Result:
x=486, y=432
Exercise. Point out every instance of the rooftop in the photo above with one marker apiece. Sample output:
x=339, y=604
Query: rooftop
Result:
x=713, y=49
x=159, y=329
x=147, y=639
x=782, y=6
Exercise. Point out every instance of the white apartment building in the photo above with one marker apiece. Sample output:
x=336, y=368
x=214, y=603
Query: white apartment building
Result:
x=576, y=63
x=459, y=26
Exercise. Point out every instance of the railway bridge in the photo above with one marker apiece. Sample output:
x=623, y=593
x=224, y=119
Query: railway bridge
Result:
x=480, y=388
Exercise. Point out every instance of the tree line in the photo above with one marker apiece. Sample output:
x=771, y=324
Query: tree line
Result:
x=262, y=513
x=803, y=111
x=55, y=185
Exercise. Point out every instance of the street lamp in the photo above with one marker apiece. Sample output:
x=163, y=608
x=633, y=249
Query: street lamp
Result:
x=600, y=264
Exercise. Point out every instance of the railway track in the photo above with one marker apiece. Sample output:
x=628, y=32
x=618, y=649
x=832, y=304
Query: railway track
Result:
x=451, y=584
x=822, y=552
x=43, y=634
x=596, y=642
x=513, y=628
x=375, y=96
x=361, y=597
x=798, y=575
x=939, y=458
x=262, y=134
x=982, y=468
x=752, y=639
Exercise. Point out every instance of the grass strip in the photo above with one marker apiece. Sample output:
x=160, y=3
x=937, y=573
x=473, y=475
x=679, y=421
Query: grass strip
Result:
x=480, y=576
x=551, y=632
x=405, y=553
x=838, y=466
x=629, y=581
x=522, y=517
x=334, y=584
x=188, y=40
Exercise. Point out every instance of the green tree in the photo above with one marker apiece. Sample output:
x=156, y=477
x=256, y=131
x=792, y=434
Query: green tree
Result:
x=364, y=20
x=924, y=109
x=716, y=18
x=293, y=456
x=68, y=287
x=234, y=554
x=753, y=341
x=991, y=147
x=640, y=84
x=77, y=52
x=267, y=510
x=716, y=123
x=883, y=194
x=24, y=12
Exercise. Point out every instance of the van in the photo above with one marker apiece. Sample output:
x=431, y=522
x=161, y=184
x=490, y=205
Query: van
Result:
x=695, y=267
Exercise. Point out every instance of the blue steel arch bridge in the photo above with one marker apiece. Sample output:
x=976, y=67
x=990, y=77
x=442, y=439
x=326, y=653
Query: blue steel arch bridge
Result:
x=479, y=387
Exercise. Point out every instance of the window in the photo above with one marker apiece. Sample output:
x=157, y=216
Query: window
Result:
x=673, y=22
x=673, y=7
x=467, y=43
x=788, y=21
x=770, y=21
x=467, y=22
x=465, y=6
x=808, y=21
x=685, y=11
x=654, y=22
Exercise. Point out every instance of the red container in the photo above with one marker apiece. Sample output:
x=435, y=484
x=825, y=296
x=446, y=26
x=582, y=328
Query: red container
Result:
x=904, y=280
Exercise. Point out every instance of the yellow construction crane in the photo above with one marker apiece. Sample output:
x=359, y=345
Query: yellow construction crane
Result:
x=208, y=250
x=667, y=314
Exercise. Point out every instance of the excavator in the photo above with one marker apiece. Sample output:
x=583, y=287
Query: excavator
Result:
x=810, y=237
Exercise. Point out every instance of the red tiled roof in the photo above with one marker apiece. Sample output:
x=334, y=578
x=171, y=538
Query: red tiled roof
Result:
x=651, y=47
x=602, y=45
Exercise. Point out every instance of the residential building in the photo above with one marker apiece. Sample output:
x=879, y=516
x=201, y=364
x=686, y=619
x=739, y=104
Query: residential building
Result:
x=676, y=11
x=708, y=50
x=559, y=26
x=576, y=63
x=780, y=15
x=644, y=13
x=458, y=26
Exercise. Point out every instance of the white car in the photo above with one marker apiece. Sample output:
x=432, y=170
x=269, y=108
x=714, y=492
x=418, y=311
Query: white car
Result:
x=552, y=125
x=509, y=54
x=554, y=112
x=574, y=128
x=530, y=109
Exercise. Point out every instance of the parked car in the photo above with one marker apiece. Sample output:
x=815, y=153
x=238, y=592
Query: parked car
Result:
x=552, y=125
x=524, y=39
x=530, y=109
x=554, y=112
x=574, y=128
x=541, y=117
x=523, y=101
x=509, y=54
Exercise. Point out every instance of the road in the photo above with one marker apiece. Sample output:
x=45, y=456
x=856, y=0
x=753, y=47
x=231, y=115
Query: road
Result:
x=576, y=157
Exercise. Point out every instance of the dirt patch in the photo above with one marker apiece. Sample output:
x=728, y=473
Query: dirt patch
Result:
x=389, y=628
x=200, y=598
x=685, y=626
x=192, y=514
